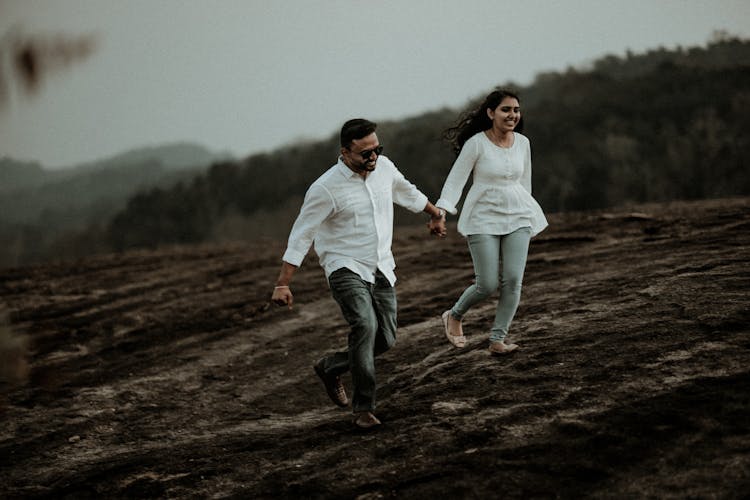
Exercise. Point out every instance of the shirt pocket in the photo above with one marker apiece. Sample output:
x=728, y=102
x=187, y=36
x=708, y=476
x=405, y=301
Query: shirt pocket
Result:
x=383, y=200
x=348, y=207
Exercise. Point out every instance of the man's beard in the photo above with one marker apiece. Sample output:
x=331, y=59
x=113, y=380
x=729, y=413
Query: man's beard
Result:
x=368, y=167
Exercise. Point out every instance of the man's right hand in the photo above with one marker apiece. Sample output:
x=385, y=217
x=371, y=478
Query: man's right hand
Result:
x=282, y=296
x=437, y=227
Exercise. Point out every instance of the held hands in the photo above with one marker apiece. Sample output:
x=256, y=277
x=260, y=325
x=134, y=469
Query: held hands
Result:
x=282, y=296
x=437, y=225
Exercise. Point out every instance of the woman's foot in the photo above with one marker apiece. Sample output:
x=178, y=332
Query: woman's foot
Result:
x=502, y=348
x=453, y=329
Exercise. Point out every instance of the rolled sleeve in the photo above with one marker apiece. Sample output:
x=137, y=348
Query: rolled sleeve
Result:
x=447, y=206
x=406, y=194
x=417, y=204
x=293, y=257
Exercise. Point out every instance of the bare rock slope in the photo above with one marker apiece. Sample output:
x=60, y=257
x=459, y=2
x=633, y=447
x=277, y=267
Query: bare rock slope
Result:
x=169, y=373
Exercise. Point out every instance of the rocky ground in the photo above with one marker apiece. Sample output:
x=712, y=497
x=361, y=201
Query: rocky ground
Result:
x=169, y=374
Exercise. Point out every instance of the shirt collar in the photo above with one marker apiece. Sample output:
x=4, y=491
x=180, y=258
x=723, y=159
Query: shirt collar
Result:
x=345, y=171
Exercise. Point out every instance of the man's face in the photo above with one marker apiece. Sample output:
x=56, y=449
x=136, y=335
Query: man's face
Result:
x=362, y=154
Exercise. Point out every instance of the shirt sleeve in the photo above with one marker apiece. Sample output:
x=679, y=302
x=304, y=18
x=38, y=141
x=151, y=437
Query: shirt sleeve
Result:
x=457, y=177
x=316, y=208
x=406, y=194
x=526, y=176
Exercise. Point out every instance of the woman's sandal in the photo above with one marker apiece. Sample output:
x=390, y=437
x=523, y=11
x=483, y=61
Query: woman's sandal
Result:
x=502, y=348
x=456, y=340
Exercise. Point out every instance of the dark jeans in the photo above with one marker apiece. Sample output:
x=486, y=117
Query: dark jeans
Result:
x=370, y=310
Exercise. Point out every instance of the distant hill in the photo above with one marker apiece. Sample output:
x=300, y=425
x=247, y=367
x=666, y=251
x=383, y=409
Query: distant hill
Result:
x=39, y=205
x=16, y=174
x=175, y=156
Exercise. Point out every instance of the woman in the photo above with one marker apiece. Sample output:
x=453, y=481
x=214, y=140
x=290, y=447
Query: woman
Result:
x=499, y=216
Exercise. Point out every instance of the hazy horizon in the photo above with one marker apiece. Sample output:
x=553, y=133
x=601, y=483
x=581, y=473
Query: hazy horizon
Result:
x=244, y=77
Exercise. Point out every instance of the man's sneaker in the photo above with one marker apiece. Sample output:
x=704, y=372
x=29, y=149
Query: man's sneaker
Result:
x=365, y=420
x=334, y=387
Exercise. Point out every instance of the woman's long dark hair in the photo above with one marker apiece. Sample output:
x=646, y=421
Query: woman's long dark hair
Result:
x=476, y=120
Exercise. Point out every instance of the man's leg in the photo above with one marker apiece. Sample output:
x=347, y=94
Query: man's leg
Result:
x=384, y=296
x=355, y=297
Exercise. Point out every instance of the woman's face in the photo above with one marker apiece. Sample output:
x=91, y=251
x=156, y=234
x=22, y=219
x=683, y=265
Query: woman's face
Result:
x=506, y=115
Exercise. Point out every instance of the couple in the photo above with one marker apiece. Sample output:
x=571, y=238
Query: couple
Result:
x=348, y=214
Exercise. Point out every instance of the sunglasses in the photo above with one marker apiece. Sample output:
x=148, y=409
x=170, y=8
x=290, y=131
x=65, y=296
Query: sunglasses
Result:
x=368, y=152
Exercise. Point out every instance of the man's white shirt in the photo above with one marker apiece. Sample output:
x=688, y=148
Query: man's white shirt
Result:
x=350, y=219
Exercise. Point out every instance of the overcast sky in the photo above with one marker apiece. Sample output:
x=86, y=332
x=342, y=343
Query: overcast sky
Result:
x=246, y=76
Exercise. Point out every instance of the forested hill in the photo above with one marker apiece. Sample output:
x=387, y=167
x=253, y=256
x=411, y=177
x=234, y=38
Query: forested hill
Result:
x=43, y=210
x=661, y=125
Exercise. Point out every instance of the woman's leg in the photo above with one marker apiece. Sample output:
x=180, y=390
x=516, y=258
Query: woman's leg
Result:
x=485, y=253
x=514, y=249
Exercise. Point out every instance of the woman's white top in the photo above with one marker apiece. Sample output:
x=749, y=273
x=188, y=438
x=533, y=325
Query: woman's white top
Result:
x=499, y=200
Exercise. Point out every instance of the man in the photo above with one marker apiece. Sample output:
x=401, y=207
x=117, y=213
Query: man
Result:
x=348, y=214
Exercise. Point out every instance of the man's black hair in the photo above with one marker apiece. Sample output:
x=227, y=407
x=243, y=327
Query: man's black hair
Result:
x=356, y=129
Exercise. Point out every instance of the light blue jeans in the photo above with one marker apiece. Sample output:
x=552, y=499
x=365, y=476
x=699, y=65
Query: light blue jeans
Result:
x=489, y=251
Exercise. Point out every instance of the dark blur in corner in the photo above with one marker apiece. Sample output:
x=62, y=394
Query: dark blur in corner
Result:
x=14, y=366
